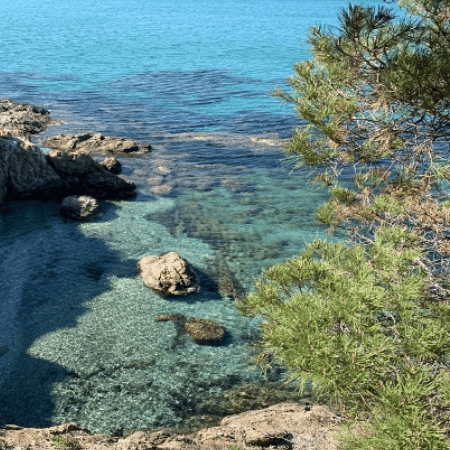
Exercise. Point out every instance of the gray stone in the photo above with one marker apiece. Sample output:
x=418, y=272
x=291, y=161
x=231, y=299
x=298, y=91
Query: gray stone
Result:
x=80, y=207
x=84, y=143
x=169, y=274
x=24, y=171
x=23, y=120
x=85, y=176
x=204, y=332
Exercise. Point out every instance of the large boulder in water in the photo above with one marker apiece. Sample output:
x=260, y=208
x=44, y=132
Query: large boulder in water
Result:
x=84, y=143
x=80, y=207
x=85, y=176
x=25, y=172
x=169, y=274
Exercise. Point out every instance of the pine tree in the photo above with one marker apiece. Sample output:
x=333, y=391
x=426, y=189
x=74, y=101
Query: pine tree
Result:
x=367, y=322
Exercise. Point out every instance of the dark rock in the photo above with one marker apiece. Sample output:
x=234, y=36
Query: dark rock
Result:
x=96, y=143
x=85, y=176
x=23, y=120
x=112, y=164
x=80, y=208
x=204, y=332
x=168, y=274
x=24, y=171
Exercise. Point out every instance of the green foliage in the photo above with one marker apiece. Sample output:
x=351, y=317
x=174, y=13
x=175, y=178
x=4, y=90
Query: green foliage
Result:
x=365, y=326
x=385, y=204
x=326, y=214
x=351, y=320
x=376, y=89
x=343, y=195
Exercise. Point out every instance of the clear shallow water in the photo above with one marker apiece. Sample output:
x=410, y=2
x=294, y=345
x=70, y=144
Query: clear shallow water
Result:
x=77, y=326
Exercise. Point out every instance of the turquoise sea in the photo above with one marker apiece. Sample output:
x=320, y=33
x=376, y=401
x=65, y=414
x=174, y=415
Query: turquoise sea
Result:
x=78, y=340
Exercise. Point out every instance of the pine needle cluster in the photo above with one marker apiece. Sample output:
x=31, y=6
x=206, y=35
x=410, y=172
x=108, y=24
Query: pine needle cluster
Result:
x=365, y=324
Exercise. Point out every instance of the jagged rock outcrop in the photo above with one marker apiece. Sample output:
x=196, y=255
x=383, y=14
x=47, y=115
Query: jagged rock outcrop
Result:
x=25, y=172
x=168, y=274
x=85, y=176
x=23, y=120
x=80, y=207
x=284, y=426
x=84, y=143
x=112, y=164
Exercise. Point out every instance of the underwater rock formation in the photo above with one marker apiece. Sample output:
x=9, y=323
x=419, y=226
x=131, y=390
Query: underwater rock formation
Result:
x=202, y=332
x=84, y=143
x=205, y=332
x=168, y=274
x=80, y=207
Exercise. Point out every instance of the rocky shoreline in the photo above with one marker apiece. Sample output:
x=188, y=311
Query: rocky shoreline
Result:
x=70, y=176
x=27, y=172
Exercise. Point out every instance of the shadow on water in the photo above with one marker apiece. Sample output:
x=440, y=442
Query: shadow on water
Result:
x=49, y=271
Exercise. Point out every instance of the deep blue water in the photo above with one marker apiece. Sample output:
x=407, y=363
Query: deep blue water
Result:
x=193, y=79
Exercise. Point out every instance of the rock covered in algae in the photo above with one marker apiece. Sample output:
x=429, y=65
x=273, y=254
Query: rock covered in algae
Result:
x=202, y=332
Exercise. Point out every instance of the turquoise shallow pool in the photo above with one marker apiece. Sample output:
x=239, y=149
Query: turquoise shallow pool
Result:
x=78, y=340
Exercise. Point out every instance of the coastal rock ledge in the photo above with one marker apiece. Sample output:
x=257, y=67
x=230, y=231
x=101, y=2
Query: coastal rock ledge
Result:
x=284, y=426
x=25, y=172
x=84, y=143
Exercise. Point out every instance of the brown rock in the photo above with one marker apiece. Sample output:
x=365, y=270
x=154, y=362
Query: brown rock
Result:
x=80, y=207
x=85, y=176
x=84, y=143
x=204, y=332
x=279, y=427
x=112, y=164
x=168, y=274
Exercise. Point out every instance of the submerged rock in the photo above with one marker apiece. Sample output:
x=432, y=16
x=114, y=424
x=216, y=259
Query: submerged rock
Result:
x=202, y=331
x=80, y=207
x=168, y=274
x=205, y=332
x=85, y=176
x=84, y=143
